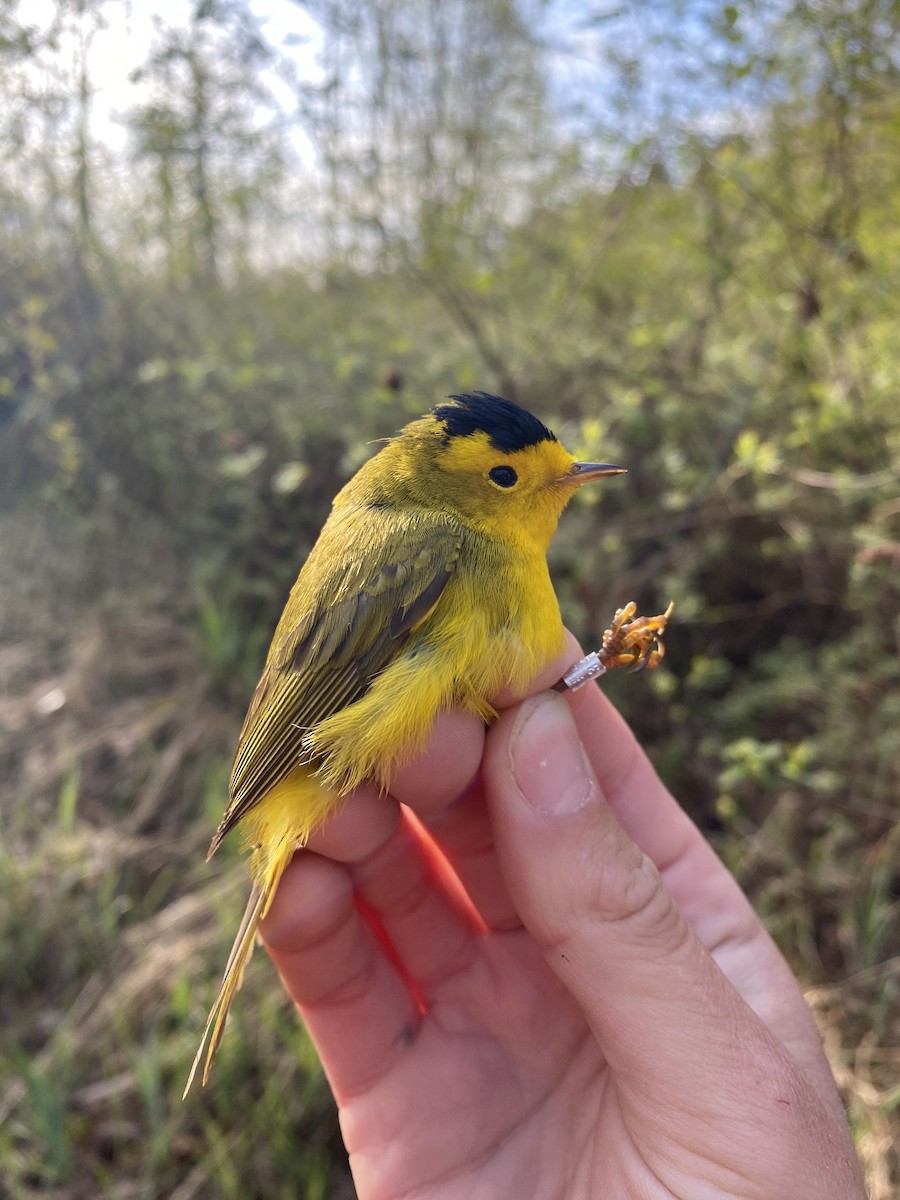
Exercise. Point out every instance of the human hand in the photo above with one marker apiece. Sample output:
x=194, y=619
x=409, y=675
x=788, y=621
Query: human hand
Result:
x=588, y=1007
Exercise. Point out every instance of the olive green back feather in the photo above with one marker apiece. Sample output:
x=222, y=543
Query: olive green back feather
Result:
x=370, y=581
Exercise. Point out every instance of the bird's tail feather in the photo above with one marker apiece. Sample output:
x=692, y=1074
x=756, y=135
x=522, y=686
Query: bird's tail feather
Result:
x=274, y=828
x=231, y=980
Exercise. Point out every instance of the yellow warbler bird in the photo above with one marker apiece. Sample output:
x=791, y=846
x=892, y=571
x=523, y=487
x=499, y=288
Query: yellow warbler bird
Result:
x=427, y=589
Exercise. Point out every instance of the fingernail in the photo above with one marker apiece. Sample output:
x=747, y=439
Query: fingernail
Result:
x=547, y=758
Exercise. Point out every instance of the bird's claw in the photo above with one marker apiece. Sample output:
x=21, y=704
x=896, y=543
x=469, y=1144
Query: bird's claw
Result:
x=632, y=642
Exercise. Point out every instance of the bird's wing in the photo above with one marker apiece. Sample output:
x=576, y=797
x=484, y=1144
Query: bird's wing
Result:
x=382, y=580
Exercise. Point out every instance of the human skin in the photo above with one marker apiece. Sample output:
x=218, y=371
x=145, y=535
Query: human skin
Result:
x=586, y=1006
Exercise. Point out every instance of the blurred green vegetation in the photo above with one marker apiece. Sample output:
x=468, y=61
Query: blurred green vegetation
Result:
x=199, y=339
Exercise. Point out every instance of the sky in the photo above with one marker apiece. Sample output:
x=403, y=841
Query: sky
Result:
x=579, y=38
x=129, y=27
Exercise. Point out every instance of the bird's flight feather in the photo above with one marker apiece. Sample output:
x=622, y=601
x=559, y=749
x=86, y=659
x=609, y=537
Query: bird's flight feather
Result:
x=330, y=645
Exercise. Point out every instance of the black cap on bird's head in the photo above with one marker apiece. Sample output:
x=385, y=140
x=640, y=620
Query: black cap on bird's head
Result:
x=509, y=429
x=507, y=426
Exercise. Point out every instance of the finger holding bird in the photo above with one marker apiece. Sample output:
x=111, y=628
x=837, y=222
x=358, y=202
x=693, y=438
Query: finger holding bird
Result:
x=427, y=590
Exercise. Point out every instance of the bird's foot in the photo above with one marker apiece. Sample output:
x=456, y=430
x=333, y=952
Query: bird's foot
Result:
x=632, y=642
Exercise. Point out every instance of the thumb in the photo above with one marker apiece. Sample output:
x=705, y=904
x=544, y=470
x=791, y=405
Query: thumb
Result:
x=666, y=1019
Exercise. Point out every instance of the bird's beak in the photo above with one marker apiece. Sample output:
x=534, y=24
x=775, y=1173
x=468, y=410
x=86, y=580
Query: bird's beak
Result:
x=587, y=472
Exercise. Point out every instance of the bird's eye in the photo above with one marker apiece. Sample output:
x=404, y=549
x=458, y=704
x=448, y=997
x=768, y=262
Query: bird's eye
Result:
x=504, y=477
